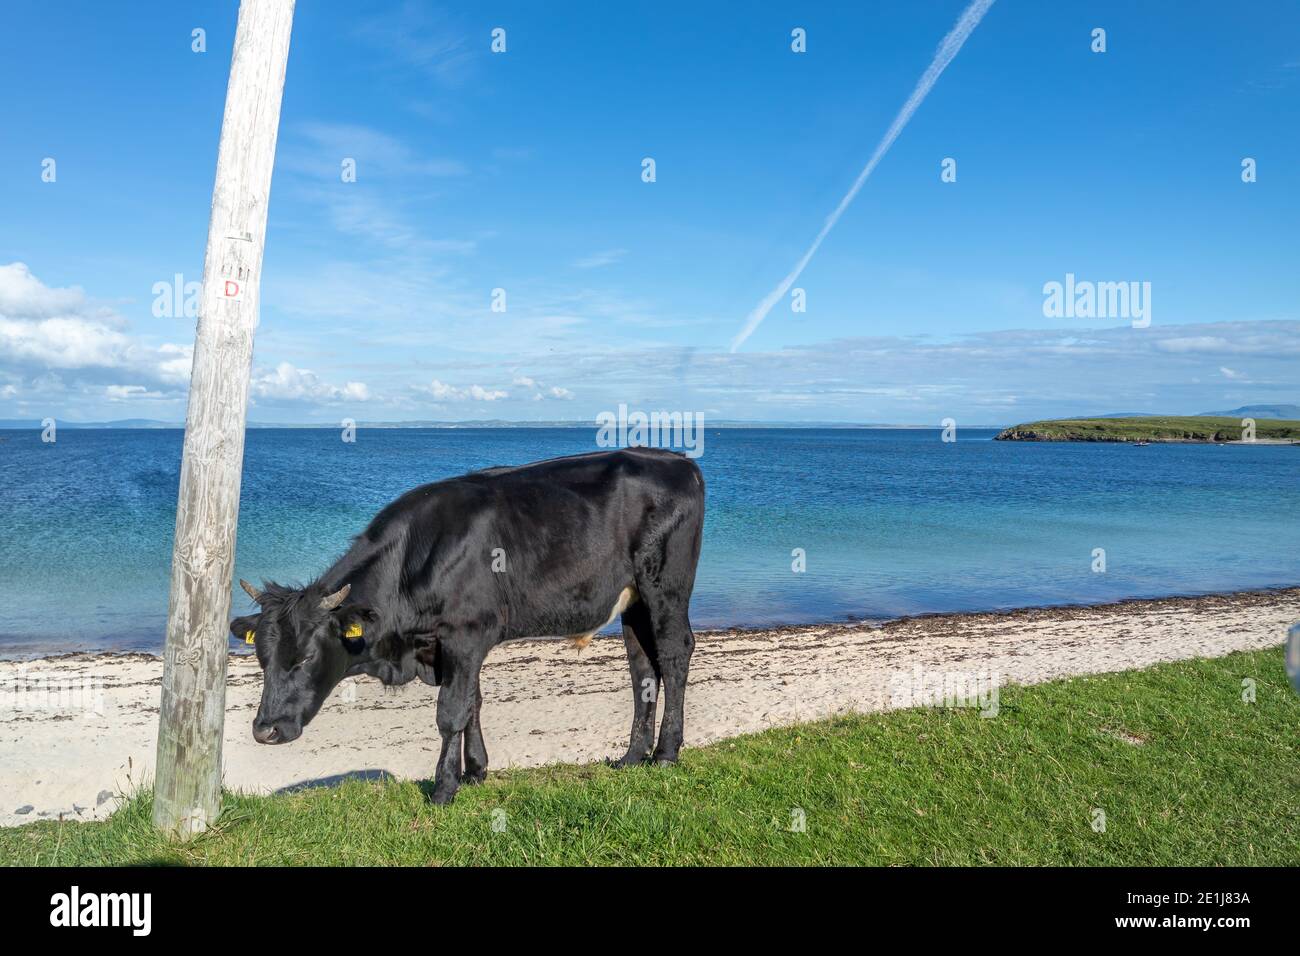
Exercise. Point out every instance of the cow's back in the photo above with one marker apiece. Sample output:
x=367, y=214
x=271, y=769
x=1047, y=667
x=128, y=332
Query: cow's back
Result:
x=545, y=549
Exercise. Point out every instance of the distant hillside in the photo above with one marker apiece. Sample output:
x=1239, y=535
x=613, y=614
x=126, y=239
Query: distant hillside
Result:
x=1261, y=411
x=1113, y=415
x=1172, y=428
x=61, y=423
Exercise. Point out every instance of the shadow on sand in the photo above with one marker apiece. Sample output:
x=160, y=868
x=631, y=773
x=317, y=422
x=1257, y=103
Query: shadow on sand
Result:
x=336, y=779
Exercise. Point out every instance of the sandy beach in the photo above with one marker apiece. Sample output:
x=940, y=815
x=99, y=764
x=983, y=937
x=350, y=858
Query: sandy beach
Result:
x=78, y=731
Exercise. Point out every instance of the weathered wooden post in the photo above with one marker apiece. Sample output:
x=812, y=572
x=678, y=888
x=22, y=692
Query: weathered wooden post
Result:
x=187, y=791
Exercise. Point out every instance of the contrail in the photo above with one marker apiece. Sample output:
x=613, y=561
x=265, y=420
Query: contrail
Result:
x=966, y=24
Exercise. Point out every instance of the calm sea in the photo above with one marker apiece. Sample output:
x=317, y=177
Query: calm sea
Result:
x=890, y=521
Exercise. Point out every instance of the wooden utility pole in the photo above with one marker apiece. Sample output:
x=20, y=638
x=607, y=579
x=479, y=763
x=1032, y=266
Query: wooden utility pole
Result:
x=187, y=791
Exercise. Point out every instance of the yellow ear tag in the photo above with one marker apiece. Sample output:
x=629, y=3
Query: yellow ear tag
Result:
x=353, y=631
x=248, y=637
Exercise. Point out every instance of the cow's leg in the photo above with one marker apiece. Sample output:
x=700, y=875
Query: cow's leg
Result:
x=674, y=642
x=476, y=758
x=665, y=576
x=456, y=699
x=638, y=637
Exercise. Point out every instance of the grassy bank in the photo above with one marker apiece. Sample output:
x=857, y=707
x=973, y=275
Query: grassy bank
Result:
x=1157, y=429
x=1186, y=772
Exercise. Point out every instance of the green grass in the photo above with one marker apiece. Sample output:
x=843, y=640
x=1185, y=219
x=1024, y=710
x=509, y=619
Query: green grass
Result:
x=1167, y=428
x=1185, y=770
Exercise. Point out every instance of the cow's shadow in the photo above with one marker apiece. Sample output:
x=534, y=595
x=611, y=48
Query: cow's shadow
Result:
x=336, y=779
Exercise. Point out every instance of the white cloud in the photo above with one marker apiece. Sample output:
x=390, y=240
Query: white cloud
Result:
x=288, y=383
x=480, y=394
x=21, y=293
x=175, y=363
x=598, y=259
x=1194, y=343
x=441, y=390
x=428, y=39
x=377, y=154
x=451, y=393
x=383, y=221
x=63, y=354
x=123, y=393
x=984, y=378
x=44, y=328
x=63, y=349
x=541, y=391
x=386, y=205
x=65, y=342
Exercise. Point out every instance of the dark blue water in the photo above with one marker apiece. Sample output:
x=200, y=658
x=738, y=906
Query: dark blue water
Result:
x=891, y=521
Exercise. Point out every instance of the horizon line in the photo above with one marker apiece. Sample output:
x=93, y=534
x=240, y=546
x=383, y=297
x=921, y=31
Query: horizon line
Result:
x=146, y=423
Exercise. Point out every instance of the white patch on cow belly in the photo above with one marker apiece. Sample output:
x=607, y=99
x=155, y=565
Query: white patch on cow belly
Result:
x=626, y=598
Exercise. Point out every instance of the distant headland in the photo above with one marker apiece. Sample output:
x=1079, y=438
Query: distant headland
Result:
x=1170, y=428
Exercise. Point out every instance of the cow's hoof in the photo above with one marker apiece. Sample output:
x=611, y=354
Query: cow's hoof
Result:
x=472, y=779
x=665, y=761
x=628, y=760
x=442, y=795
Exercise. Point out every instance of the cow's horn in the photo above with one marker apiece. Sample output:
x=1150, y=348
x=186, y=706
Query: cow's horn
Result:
x=253, y=592
x=331, y=601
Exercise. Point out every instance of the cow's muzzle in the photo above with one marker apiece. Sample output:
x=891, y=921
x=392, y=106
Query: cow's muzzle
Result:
x=265, y=732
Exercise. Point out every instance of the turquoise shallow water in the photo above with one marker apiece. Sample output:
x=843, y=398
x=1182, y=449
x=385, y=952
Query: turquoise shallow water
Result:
x=891, y=521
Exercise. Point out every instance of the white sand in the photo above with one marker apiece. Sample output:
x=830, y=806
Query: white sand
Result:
x=545, y=702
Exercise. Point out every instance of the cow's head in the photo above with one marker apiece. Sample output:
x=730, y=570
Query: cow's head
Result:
x=306, y=641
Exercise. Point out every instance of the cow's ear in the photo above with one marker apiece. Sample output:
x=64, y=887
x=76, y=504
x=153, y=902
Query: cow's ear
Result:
x=356, y=615
x=243, y=628
x=354, y=620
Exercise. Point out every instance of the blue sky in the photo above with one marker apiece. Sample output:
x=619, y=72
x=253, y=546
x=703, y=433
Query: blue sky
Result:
x=522, y=171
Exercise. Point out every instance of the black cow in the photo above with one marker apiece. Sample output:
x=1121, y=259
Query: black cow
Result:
x=450, y=569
